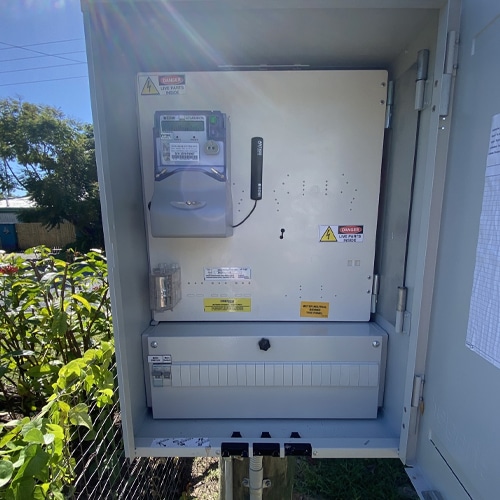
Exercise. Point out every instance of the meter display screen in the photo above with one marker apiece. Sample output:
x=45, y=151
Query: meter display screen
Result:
x=182, y=126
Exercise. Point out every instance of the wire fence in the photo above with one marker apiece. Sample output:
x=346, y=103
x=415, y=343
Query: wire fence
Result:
x=103, y=472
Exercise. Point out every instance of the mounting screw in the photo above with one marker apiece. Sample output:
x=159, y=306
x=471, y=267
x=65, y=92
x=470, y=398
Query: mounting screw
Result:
x=154, y=344
x=264, y=344
x=266, y=483
x=376, y=343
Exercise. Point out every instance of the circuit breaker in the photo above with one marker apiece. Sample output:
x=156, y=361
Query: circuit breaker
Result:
x=265, y=370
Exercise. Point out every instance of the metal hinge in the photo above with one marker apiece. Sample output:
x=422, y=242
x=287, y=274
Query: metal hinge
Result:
x=375, y=292
x=417, y=398
x=449, y=71
x=389, y=107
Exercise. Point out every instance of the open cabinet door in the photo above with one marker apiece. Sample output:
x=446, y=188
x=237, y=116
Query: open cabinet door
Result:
x=459, y=437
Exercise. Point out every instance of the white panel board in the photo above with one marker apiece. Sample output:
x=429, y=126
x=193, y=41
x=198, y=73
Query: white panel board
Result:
x=322, y=134
x=306, y=370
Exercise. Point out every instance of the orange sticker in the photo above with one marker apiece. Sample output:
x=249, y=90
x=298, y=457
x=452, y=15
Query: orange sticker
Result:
x=314, y=309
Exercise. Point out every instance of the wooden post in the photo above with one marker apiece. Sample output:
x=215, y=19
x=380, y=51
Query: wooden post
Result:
x=280, y=471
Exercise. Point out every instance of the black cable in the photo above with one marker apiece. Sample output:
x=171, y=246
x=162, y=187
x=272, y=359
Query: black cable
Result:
x=246, y=218
x=42, y=81
x=39, y=43
x=41, y=67
x=412, y=196
x=12, y=46
x=40, y=56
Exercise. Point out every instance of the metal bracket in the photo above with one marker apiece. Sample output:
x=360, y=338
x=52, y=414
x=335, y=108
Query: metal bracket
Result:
x=266, y=483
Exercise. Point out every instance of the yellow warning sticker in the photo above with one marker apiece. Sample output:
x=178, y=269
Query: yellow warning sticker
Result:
x=149, y=88
x=327, y=234
x=227, y=305
x=314, y=309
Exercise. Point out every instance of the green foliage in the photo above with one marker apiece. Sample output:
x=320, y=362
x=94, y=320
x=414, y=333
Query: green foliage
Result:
x=353, y=479
x=35, y=454
x=55, y=358
x=51, y=311
x=52, y=158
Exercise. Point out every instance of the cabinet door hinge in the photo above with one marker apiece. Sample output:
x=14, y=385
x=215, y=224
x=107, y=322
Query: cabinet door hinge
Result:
x=389, y=107
x=417, y=398
x=449, y=72
x=375, y=292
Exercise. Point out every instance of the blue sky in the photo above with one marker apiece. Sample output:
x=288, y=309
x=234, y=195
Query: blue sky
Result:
x=42, y=55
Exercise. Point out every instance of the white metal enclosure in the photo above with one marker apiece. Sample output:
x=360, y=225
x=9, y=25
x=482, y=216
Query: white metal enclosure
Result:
x=440, y=407
x=323, y=135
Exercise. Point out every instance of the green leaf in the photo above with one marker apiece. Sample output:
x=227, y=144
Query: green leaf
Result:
x=79, y=416
x=6, y=470
x=3, y=370
x=20, y=458
x=63, y=407
x=72, y=369
x=35, y=423
x=34, y=465
x=6, y=438
x=59, y=323
x=40, y=370
x=82, y=300
x=34, y=436
x=24, y=487
x=48, y=438
x=22, y=352
x=40, y=492
x=56, y=430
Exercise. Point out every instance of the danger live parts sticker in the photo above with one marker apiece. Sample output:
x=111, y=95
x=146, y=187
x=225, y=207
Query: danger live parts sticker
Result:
x=342, y=234
x=314, y=309
x=170, y=84
x=230, y=305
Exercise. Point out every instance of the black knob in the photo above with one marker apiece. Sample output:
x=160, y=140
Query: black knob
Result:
x=264, y=344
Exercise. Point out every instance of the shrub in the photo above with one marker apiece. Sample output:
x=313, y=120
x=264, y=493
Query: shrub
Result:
x=55, y=359
x=51, y=311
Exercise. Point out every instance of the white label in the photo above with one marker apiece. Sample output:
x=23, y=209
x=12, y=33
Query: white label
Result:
x=184, y=151
x=201, y=442
x=227, y=273
x=158, y=358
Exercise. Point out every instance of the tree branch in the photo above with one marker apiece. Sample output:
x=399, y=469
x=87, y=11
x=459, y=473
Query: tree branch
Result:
x=11, y=170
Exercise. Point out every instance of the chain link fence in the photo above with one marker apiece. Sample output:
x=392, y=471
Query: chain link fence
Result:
x=103, y=472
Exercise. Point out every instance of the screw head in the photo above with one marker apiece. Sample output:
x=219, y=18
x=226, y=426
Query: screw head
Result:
x=154, y=344
x=376, y=343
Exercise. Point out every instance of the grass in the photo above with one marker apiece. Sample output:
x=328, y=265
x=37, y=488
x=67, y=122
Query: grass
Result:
x=351, y=479
x=325, y=479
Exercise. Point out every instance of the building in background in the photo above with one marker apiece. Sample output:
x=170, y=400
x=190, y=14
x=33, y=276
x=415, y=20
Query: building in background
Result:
x=16, y=235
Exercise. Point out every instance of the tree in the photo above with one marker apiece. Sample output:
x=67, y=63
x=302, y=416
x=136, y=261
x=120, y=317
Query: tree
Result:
x=52, y=159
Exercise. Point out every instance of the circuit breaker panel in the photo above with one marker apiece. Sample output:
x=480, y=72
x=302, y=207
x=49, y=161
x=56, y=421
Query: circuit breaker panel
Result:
x=302, y=249
x=265, y=370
